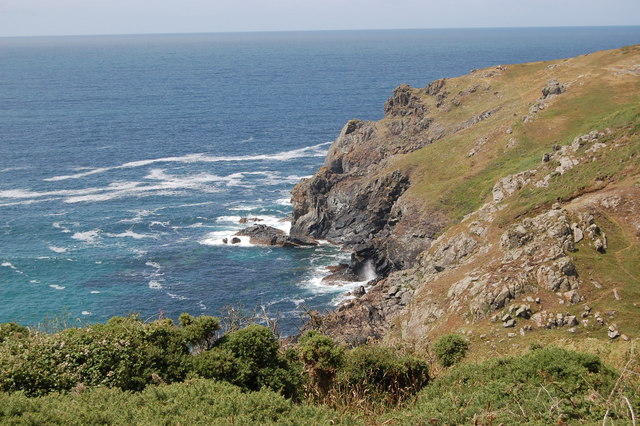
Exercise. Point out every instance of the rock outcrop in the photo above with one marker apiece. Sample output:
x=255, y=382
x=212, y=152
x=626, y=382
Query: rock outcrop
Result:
x=269, y=236
x=504, y=246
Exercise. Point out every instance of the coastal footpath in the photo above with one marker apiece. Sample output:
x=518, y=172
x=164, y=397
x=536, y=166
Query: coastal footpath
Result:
x=498, y=204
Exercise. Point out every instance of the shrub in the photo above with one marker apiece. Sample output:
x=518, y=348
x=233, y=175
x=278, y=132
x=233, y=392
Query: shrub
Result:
x=322, y=359
x=124, y=353
x=381, y=372
x=11, y=329
x=196, y=401
x=450, y=349
x=259, y=362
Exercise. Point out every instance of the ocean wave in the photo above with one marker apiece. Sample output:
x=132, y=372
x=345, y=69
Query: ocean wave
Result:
x=94, y=292
x=216, y=239
x=57, y=249
x=130, y=234
x=57, y=287
x=176, y=296
x=154, y=284
x=86, y=313
x=311, y=151
x=89, y=237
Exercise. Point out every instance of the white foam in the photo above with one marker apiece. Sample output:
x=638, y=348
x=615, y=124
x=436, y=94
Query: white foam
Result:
x=13, y=169
x=34, y=281
x=57, y=287
x=215, y=239
x=202, y=306
x=88, y=237
x=8, y=265
x=153, y=264
x=155, y=285
x=311, y=151
x=86, y=313
x=130, y=234
x=283, y=201
x=175, y=296
x=94, y=292
x=249, y=139
x=57, y=249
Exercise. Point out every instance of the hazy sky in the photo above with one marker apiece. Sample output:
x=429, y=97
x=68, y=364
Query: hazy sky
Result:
x=71, y=17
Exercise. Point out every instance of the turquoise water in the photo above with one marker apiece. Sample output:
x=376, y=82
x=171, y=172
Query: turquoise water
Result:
x=124, y=160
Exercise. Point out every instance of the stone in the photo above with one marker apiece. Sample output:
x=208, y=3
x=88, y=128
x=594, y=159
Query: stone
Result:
x=522, y=331
x=509, y=323
x=616, y=294
x=553, y=87
x=571, y=330
x=524, y=311
x=511, y=335
x=613, y=333
x=624, y=337
x=270, y=236
x=235, y=240
x=578, y=235
x=360, y=291
x=225, y=240
x=571, y=321
x=506, y=317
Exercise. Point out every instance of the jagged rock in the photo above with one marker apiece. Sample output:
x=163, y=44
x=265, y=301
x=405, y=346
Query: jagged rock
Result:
x=571, y=321
x=244, y=220
x=269, y=236
x=506, y=317
x=624, y=337
x=508, y=185
x=524, y=311
x=403, y=102
x=599, y=245
x=509, y=323
x=436, y=86
x=511, y=335
x=613, y=333
x=235, y=240
x=360, y=291
x=578, y=235
x=553, y=87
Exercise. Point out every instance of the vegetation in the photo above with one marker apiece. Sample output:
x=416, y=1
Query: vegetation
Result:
x=120, y=373
x=450, y=349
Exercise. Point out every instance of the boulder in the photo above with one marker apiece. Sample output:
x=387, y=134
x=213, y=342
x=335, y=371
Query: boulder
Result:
x=270, y=236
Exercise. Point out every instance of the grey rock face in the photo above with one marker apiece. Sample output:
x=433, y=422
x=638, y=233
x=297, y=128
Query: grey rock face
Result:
x=269, y=236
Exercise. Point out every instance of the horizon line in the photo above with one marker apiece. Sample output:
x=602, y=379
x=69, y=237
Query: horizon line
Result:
x=311, y=31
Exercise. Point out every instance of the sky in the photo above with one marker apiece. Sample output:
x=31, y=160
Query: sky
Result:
x=84, y=17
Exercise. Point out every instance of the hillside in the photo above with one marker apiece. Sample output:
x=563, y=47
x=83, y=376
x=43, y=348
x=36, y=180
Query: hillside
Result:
x=503, y=204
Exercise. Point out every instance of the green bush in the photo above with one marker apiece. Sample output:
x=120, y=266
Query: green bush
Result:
x=259, y=362
x=124, y=353
x=381, y=372
x=322, y=359
x=450, y=349
x=11, y=329
x=196, y=401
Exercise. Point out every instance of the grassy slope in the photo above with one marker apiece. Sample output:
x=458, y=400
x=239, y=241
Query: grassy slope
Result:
x=600, y=95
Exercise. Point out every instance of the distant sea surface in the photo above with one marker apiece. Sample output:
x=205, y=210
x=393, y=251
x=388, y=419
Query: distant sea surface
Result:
x=124, y=160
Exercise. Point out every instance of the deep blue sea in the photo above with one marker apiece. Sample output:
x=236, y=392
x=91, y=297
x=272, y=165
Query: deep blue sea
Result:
x=124, y=160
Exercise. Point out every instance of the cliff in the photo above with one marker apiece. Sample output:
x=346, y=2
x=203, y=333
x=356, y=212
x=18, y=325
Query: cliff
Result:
x=498, y=204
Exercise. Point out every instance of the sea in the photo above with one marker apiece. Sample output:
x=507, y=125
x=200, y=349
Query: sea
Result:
x=126, y=160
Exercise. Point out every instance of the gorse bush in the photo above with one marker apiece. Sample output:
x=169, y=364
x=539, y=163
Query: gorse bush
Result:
x=197, y=401
x=450, y=349
x=124, y=353
x=11, y=329
x=322, y=358
x=382, y=373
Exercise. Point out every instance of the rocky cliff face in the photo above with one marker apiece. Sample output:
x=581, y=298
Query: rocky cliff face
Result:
x=501, y=200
